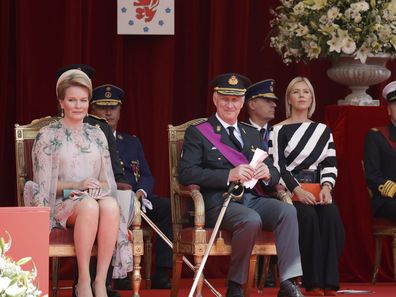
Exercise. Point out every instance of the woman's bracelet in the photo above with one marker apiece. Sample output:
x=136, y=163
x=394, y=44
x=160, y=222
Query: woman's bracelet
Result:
x=328, y=185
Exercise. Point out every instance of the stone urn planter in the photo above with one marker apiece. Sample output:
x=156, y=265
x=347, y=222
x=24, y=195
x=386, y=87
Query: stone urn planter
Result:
x=358, y=77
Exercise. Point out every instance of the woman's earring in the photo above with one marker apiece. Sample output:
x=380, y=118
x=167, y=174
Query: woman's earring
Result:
x=62, y=113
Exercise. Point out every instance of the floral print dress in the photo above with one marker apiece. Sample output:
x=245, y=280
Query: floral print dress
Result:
x=72, y=155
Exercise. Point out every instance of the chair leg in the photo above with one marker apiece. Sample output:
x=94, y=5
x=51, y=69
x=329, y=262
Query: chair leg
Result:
x=176, y=274
x=148, y=247
x=275, y=273
x=252, y=266
x=198, y=290
x=55, y=269
x=394, y=256
x=264, y=273
x=377, y=260
x=136, y=276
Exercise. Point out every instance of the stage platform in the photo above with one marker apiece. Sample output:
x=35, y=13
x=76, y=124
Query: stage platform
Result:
x=378, y=290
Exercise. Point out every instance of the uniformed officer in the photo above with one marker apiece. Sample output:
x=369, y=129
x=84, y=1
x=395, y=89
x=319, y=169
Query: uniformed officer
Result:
x=216, y=154
x=261, y=103
x=122, y=181
x=106, y=103
x=380, y=161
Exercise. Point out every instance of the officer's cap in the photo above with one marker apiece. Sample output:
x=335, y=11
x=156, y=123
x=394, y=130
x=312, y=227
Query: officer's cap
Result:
x=389, y=92
x=231, y=84
x=107, y=95
x=88, y=70
x=261, y=89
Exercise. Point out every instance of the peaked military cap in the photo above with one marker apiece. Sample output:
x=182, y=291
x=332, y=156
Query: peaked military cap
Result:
x=389, y=92
x=261, y=89
x=88, y=70
x=231, y=84
x=109, y=95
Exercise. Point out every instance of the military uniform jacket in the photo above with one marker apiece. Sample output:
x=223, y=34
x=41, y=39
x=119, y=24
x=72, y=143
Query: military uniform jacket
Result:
x=115, y=160
x=135, y=166
x=202, y=163
x=379, y=159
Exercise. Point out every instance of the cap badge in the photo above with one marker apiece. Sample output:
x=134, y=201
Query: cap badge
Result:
x=272, y=88
x=233, y=80
x=108, y=94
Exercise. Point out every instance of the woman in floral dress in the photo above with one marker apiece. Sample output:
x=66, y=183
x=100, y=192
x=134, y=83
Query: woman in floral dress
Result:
x=305, y=155
x=73, y=176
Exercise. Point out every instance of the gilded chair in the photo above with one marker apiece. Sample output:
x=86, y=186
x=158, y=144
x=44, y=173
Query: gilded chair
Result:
x=188, y=218
x=61, y=241
x=382, y=227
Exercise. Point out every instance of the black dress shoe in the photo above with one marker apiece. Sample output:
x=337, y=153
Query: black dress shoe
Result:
x=289, y=289
x=234, y=289
x=122, y=284
x=111, y=292
x=160, y=281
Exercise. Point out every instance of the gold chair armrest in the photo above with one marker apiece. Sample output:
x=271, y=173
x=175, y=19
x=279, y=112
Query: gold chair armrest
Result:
x=193, y=191
x=137, y=218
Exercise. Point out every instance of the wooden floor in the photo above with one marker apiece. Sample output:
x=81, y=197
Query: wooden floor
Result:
x=352, y=289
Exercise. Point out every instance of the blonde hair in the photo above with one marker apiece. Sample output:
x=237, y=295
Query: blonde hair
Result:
x=295, y=80
x=73, y=77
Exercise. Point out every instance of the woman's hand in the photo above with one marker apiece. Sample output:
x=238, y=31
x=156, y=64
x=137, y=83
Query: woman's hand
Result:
x=304, y=196
x=262, y=172
x=325, y=195
x=89, y=183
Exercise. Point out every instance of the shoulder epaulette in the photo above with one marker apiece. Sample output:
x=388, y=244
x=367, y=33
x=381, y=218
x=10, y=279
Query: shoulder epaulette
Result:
x=97, y=118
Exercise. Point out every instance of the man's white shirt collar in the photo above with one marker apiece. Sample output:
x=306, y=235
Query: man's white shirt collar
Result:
x=257, y=126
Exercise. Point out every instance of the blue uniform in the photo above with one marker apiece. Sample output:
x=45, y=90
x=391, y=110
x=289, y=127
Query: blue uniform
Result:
x=139, y=175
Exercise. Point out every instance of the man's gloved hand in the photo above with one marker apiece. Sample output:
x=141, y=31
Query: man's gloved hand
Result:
x=145, y=203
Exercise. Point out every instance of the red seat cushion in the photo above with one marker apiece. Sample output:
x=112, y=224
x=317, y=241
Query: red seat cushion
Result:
x=61, y=236
x=381, y=222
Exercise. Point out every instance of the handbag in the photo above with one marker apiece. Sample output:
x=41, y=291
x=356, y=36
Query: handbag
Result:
x=313, y=188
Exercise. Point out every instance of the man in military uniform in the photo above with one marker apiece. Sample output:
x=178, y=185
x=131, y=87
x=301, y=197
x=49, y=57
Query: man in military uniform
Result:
x=380, y=161
x=217, y=154
x=261, y=104
x=121, y=180
x=106, y=103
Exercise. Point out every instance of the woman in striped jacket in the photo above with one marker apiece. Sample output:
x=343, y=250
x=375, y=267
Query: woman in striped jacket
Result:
x=305, y=155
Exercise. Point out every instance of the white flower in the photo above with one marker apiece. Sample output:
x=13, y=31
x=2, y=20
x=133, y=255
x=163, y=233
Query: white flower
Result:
x=349, y=46
x=303, y=30
x=14, y=281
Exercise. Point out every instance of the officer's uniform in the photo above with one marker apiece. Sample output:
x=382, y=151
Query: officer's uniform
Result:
x=380, y=163
x=261, y=90
x=203, y=164
x=115, y=160
x=138, y=174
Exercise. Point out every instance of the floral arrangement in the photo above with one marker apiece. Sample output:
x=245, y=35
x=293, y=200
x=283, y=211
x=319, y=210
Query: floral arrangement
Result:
x=303, y=30
x=15, y=282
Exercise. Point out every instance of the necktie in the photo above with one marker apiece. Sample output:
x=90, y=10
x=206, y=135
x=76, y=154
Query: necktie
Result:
x=234, y=140
x=264, y=137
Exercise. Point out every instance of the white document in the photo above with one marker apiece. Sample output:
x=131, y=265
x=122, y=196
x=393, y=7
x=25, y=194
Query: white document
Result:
x=259, y=156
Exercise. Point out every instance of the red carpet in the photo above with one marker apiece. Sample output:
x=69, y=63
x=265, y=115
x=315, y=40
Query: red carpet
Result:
x=379, y=290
